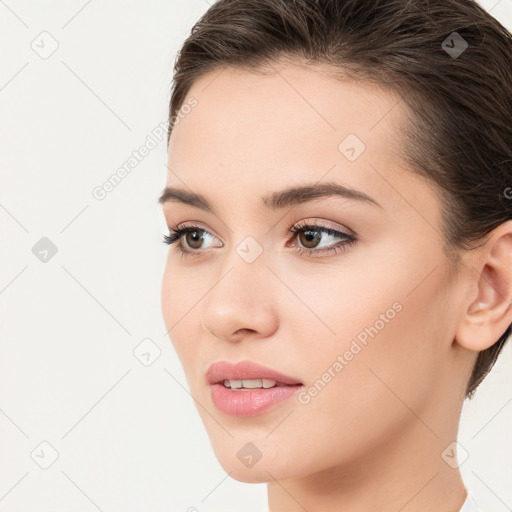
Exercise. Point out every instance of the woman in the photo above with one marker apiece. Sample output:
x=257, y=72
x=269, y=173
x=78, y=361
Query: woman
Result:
x=339, y=206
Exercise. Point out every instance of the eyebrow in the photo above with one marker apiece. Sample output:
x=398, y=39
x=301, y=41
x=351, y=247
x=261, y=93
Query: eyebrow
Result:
x=289, y=197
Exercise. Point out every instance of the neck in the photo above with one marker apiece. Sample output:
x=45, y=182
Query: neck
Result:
x=405, y=473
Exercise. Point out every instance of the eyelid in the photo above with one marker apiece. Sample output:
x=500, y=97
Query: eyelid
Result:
x=193, y=224
x=323, y=223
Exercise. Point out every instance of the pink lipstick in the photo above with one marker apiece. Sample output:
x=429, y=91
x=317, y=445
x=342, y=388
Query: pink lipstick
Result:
x=247, y=389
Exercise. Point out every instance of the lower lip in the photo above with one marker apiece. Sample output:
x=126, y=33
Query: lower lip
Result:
x=252, y=401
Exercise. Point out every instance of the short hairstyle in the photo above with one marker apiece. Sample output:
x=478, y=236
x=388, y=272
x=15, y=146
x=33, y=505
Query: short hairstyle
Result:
x=458, y=131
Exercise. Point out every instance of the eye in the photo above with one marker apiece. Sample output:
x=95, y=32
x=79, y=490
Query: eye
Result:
x=193, y=235
x=309, y=236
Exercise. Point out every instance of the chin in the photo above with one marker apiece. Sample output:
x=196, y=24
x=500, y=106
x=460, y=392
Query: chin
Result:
x=250, y=476
x=245, y=463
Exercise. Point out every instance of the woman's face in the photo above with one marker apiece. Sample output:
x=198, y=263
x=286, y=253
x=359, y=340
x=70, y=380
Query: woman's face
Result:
x=366, y=327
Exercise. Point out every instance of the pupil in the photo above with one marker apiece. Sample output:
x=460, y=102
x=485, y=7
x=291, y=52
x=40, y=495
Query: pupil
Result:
x=311, y=236
x=196, y=237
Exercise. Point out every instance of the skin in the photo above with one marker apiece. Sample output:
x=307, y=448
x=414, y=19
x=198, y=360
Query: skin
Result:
x=372, y=438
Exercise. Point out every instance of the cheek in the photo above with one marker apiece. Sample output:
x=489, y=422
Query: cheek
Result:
x=376, y=345
x=393, y=298
x=169, y=296
x=179, y=301
x=370, y=400
x=181, y=291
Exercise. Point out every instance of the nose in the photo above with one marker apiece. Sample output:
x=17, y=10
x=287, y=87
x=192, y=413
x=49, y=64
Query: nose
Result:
x=241, y=302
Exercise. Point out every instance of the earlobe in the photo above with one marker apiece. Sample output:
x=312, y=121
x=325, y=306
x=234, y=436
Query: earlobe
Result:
x=489, y=314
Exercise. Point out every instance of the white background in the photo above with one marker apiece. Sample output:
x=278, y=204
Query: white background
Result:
x=128, y=436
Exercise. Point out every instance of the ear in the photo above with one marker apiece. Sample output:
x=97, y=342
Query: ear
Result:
x=488, y=312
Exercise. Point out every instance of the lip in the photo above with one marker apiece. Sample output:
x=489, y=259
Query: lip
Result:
x=252, y=401
x=222, y=370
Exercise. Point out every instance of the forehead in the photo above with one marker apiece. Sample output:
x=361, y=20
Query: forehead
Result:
x=291, y=124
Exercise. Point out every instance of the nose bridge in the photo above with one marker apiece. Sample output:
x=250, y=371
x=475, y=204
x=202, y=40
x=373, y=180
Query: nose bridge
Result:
x=240, y=297
x=241, y=280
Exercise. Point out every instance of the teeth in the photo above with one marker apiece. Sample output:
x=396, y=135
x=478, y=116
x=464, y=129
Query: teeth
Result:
x=249, y=383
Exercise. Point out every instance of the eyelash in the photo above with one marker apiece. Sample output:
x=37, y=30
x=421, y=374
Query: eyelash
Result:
x=177, y=233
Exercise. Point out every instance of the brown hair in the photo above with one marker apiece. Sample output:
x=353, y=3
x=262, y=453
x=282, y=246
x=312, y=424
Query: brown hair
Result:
x=459, y=128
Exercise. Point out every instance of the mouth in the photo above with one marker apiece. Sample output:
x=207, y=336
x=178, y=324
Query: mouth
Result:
x=247, y=384
x=248, y=375
x=247, y=388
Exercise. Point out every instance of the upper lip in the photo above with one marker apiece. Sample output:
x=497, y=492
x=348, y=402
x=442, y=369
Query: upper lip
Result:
x=244, y=370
